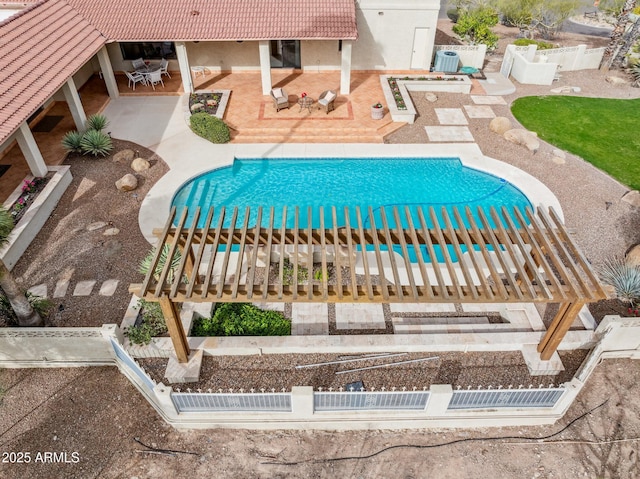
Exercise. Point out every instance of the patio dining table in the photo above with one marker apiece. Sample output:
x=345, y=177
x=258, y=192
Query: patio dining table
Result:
x=148, y=68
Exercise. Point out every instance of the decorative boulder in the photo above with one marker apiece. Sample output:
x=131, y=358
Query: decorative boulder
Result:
x=500, y=125
x=431, y=97
x=558, y=157
x=524, y=138
x=124, y=156
x=617, y=80
x=632, y=198
x=633, y=256
x=127, y=183
x=197, y=107
x=140, y=164
x=111, y=231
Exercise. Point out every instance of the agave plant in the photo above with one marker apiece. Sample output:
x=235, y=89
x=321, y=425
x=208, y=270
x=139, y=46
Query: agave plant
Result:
x=623, y=277
x=96, y=143
x=97, y=122
x=71, y=142
x=147, y=261
x=635, y=73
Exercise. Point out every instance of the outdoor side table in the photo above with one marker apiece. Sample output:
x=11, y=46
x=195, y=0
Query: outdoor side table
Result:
x=305, y=102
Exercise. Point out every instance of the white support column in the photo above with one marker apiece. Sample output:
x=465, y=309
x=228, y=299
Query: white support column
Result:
x=302, y=401
x=75, y=105
x=107, y=73
x=265, y=65
x=185, y=69
x=29, y=148
x=345, y=67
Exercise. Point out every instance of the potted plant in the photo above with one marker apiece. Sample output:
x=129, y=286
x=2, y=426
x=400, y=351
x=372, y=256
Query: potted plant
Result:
x=377, y=111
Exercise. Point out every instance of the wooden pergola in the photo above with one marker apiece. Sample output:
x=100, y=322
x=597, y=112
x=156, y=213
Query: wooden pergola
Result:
x=493, y=256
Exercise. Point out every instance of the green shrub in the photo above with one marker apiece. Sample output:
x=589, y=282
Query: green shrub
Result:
x=635, y=73
x=210, y=128
x=6, y=222
x=72, y=142
x=97, y=122
x=523, y=42
x=453, y=14
x=475, y=26
x=241, y=319
x=152, y=324
x=95, y=143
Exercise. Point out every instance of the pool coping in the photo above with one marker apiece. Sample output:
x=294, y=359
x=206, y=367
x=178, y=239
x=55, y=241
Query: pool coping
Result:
x=156, y=205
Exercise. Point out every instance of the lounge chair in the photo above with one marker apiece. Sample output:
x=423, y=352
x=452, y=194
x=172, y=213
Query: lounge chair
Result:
x=280, y=98
x=135, y=77
x=326, y=99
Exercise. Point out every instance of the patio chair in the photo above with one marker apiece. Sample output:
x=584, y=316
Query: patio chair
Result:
x=164, y=65
x=326, y=99
x=154, y=78
x=135, y=77
x=280, y=98
x=139, y=65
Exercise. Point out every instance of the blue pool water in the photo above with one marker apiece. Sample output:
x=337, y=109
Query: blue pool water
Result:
x=379, y=183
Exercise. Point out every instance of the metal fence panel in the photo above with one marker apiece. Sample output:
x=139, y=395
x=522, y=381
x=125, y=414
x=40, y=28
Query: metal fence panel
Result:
x=368, y=400
x=130, y=362
x=505, y=398
x=203, y=402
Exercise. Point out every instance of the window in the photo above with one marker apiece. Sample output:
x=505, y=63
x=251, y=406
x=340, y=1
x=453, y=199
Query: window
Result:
x=148, y=50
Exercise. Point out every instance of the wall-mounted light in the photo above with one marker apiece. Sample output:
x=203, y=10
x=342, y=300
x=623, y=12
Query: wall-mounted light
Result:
x=239, y=41
x=380, y=13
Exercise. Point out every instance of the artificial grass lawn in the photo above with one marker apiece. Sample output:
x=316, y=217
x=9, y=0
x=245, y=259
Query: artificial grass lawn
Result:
x=602, y=131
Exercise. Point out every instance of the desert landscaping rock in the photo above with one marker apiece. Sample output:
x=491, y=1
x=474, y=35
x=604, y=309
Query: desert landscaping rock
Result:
x=96, y=225
x=559, y=157
x=617, y=80
x=633, y=256
x=524, y=138
x=140, y=164
x=127, y=183
x=500, y=125
x=111, y=232
x=124, y=156
x=431, y=97
x=632, y=198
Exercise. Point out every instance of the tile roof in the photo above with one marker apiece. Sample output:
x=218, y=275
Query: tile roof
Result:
x=40, y=48
x=161, y=20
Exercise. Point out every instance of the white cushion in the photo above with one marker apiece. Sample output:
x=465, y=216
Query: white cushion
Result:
x=323, y=101
x=330, y=96
x=277, y=92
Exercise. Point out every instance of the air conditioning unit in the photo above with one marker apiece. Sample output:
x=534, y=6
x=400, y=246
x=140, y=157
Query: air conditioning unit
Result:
x=446, y=61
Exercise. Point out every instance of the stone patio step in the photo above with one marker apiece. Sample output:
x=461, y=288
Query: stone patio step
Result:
x=293, y=138
x=472, y=324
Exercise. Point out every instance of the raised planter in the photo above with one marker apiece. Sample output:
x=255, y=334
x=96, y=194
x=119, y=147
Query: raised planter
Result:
x=37, y=214
x=222, y=105
x=436, y=83
x=377, y=113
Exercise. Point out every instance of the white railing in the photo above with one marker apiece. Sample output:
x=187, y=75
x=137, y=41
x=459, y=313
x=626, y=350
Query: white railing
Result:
x=505, y=398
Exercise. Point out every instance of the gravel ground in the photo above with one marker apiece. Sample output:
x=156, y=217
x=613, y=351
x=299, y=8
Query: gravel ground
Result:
x=278, y=371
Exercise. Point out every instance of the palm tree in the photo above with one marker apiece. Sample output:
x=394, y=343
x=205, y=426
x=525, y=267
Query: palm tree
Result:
x=25, y=313
x=617, y=35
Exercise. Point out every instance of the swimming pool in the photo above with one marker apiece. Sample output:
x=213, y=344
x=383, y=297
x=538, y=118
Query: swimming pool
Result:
x=344, y=183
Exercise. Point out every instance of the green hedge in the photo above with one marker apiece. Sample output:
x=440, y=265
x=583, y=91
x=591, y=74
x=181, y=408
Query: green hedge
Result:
x=241, y=319
x=525, y=42
x=210, y=128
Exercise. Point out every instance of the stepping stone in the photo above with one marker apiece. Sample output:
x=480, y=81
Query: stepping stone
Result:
x=84, y=288
x=96, y=225
x=108, y=287
x=359, y=316
x=488, y=100
x=38, y=290
x=61, y=288
x=309, y=319
x=481, y=111
x=451, y=116
x=448, y=133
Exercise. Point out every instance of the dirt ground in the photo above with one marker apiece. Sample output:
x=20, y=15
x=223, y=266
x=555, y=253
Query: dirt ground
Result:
x=90, y=417
x=97, y=414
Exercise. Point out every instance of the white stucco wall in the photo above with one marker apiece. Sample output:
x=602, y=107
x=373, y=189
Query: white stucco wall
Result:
x=386, y=31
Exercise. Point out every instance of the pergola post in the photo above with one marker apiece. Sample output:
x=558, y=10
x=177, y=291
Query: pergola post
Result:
x=176, y=331
x=558, y=328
